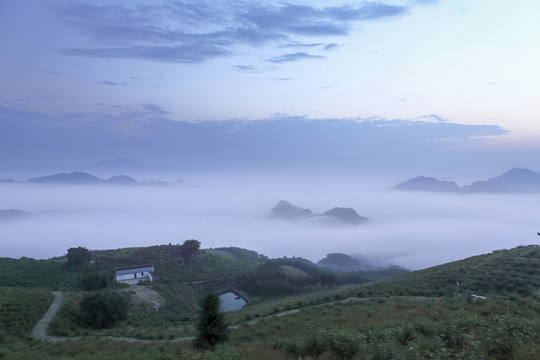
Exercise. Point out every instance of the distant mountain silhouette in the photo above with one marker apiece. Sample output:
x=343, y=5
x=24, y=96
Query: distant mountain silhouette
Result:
x=422, y=183
x=16, y=214
x=514, y=180
x=519, y=180
x=339, y=262
x=485, y=186
x=122, y=180
x=347, y=215
x=74, y=178
x=348, y=263
x=13, y=214
x=82, y=178
x=286, y=210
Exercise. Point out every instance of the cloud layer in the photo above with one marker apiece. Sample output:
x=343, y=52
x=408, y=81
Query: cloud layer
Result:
x=410, y=229
x=196, y=31
x=143, y=133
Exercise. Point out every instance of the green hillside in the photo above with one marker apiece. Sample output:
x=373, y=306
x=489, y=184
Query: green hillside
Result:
x=514, y=271
x=415, y=315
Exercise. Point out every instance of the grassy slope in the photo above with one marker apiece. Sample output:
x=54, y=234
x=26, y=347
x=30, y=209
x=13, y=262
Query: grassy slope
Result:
x=26, y=272
x=20, y=310
x=512, y=271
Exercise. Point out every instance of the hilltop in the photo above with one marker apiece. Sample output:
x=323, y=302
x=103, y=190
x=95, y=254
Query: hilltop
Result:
x=515, y=180
x=285, y=210
x=83, y=178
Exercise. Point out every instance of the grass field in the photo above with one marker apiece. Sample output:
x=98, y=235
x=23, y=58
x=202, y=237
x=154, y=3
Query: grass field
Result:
x=414, y=316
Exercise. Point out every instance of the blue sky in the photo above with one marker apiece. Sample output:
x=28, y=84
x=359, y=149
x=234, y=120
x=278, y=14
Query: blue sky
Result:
x=128, y=65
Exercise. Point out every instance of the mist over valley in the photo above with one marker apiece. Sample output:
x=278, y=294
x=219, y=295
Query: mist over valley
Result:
x=413, y=229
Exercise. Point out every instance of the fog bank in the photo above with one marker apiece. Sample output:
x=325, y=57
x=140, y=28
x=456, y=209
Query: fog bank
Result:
x=411, y=229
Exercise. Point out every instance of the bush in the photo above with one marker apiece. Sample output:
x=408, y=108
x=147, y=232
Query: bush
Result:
x=222, y=352
x=503, y=337
x=78, y=257
x=94, y=282
x=103, y=309
x=342, y=344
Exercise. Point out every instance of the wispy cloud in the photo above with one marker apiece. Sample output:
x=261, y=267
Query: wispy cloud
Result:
x=154, y=109
x=193, y=32
x=247, y=69
x=282, y=79
x=331, y=47
x=426, y=2
x=112, y=83
x=294, y=57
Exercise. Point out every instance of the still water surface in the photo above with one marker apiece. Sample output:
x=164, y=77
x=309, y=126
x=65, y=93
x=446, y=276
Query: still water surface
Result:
x=230, y=302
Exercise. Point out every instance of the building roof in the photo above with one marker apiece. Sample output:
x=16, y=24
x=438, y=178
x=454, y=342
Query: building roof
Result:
x=133, y=269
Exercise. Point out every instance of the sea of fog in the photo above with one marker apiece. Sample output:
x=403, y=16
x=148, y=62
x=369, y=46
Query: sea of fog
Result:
x=410, y=229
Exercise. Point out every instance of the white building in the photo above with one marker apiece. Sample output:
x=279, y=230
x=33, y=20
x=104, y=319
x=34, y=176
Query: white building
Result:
x=134, y=274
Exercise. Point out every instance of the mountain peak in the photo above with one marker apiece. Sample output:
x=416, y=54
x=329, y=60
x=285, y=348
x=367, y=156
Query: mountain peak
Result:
x=518, y=179
x=76, y=177
x=287, y=210
x=423, y=183
x=347, y=215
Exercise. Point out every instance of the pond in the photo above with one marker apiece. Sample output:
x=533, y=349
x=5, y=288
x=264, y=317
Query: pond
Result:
x=230, y=302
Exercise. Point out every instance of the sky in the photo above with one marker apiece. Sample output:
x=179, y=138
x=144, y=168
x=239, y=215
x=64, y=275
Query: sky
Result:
x=456, y=61
x=227, y=95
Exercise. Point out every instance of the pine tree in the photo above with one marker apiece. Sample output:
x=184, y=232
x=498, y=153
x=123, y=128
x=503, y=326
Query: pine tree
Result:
x=212, y=328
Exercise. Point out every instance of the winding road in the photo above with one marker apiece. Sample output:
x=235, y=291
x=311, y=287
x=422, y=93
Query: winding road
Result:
x=40, y=330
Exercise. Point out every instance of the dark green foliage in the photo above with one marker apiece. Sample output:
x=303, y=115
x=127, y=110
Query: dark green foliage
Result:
x=20, y=310
x=339, y=261
x=222, y=352
x=271, y=280
x=503, y=337
x=362, y=277
x=240, y=253
x=506, y=329
x=103, y=309
x=93, y=282
x=501, y=272
x=189, y=250
x=78, y=257
x=212, y=328
x=340, y=344
x=27, y=272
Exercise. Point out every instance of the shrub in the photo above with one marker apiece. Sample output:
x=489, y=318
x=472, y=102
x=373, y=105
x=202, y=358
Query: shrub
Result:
x=222, y=352
x=503, y=337
x=103, y=309
x=343, y=344
x=94, y=282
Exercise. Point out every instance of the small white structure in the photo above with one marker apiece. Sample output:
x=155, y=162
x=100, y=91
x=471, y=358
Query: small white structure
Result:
x=134, y=274
x=478, y=297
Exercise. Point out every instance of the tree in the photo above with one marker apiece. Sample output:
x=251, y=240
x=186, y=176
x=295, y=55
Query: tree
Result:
x=103, y=309
x=94, y=282
x=78, y=257
x=212, y=328
x=189, y=250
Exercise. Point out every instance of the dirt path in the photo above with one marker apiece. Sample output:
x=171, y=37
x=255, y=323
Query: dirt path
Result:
x=40, y=330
